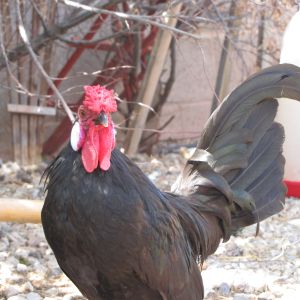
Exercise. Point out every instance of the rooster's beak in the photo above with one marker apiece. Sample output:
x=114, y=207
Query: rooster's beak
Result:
x=102, y=119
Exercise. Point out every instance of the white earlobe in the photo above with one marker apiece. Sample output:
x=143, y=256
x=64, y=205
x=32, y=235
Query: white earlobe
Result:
x=76, y=138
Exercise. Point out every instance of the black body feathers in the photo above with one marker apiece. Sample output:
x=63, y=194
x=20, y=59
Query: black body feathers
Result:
x=118, y=237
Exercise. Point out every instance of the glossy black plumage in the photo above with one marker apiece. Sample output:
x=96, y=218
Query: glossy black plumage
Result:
x=117, y=236
x=100, y=236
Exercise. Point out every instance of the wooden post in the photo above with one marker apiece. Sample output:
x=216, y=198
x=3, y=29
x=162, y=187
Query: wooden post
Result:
x=20, y=210
x=23, y=65
x=6, y=27
x=260, y=41
x=15, y=119
x=34, y=156
x=223, y=76
x=148, y=88
x=45, y=55
x=27, y=112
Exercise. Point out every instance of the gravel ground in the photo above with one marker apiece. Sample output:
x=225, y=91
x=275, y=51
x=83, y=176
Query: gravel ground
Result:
x=246, y=267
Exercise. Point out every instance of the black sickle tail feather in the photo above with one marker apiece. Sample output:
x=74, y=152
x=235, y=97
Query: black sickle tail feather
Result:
x=241, y=146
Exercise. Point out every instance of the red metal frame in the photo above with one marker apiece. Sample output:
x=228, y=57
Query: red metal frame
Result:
x=122, y=56
x=79, y=50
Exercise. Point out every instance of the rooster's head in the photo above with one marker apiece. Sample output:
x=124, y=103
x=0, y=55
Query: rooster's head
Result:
x=94, y=132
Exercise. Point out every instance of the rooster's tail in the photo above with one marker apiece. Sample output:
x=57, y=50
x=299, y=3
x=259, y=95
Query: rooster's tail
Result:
x=240, y=150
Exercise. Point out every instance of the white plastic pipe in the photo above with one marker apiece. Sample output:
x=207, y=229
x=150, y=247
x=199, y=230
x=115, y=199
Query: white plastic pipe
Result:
x=289, y=111
x=290, y=51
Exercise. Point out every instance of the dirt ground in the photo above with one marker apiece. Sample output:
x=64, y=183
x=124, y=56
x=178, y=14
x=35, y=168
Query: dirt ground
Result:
x=246, y=267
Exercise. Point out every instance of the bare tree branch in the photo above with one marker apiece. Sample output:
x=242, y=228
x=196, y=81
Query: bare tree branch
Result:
x=39, y=15
x=159, y=130
x=169, y=83
x=50, y=34
x=138, y=18
x=96, y=41
x=9, y=70
x=24, y=36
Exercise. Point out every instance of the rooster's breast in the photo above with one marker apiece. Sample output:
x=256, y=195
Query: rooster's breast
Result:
x=93, y=222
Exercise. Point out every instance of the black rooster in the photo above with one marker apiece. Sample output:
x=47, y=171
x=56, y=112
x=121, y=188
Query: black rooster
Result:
x=117, y=236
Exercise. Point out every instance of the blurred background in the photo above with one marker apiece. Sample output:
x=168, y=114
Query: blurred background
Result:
x=171, y=63
x=214, y=46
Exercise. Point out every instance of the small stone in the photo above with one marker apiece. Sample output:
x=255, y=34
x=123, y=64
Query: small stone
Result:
x=295, y=222
x=40, y=268
x=3, y=255
x=233, y=249
x=70, y=297
x=35, y=238
x=10, y=167
x=43, y=245
x=4, y=244
x=56, y=271
x=52, y=292
x=37, y=193
x=28, y=286
x=224, y=289
x=17, y=297
x=49, y=251
x=17, y=238
x=14, y=167
x=30, y=261
x=244, y=297
x=52, y=263
x=24, y=176
x=153, y=175
x=33, y=296
x=22, y=253
x=244, y=288
x=5, y=170
x=5, y=228
x=266, y=296
x=211, y=296
x=36, y=254
x=12, y=290
x=12, y=261
x=22, y=268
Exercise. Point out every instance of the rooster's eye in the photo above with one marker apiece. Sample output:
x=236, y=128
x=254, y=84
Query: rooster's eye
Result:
x=81, y=113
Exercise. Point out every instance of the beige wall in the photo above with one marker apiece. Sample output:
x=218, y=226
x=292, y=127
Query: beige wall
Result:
x=193, y=89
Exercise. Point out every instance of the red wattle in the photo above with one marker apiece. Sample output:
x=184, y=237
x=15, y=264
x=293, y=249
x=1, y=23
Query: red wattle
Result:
x=97, y=148
x=106, y=145
x=90, y=148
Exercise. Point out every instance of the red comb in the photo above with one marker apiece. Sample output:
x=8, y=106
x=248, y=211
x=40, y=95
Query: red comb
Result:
x=98, y=98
